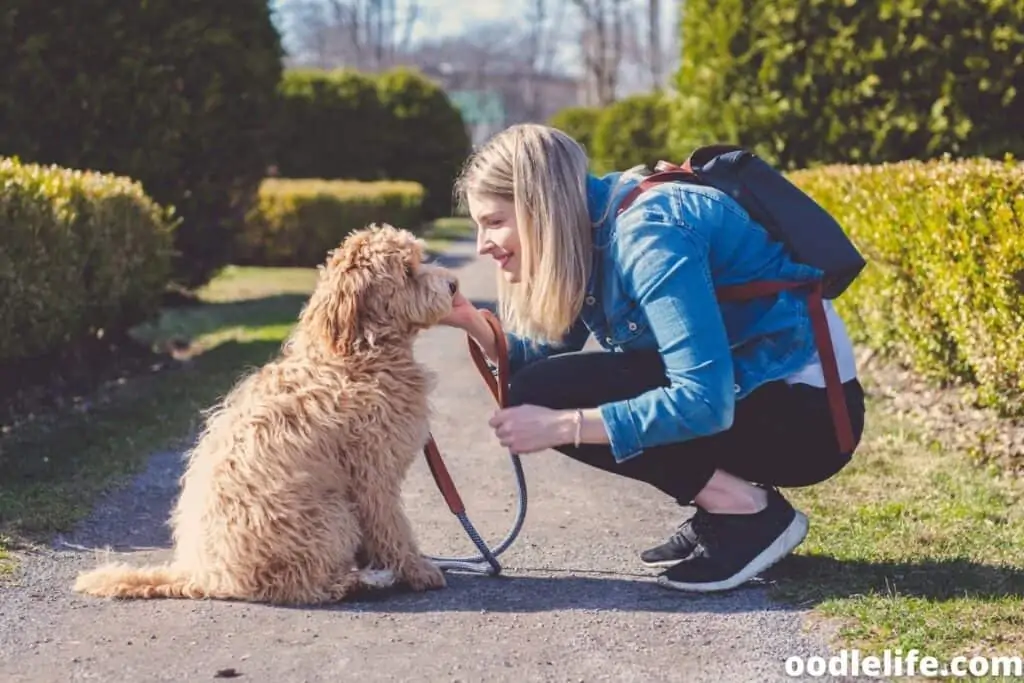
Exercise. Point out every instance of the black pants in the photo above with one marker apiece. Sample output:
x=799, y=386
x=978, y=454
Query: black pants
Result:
x=782, y=435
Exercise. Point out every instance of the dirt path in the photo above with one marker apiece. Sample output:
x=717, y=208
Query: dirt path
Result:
x=575, y=604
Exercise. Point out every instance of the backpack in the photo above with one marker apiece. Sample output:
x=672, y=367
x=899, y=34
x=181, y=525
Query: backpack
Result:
x=810, y=234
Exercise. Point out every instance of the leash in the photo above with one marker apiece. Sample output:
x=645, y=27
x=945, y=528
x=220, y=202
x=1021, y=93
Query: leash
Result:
x=487, y=561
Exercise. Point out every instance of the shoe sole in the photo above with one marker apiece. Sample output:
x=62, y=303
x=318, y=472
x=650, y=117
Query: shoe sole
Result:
x=661, y=564
x=782, y=546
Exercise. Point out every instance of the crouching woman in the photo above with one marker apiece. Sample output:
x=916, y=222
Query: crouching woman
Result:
x=716, y=405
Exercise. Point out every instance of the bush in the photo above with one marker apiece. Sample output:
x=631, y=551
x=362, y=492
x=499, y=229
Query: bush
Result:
x=331, y=125
x=178, y=94
x=84, y=254
x=579, y=123
x=295, y=222
x=832, y=81
x=632, y=131
x=942, y=291
x=427, y=141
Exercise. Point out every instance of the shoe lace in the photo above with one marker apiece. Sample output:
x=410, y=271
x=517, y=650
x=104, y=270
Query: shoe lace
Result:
x=704, y=528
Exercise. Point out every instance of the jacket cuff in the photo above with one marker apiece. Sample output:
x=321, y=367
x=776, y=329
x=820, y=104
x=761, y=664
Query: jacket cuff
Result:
x=623, y=434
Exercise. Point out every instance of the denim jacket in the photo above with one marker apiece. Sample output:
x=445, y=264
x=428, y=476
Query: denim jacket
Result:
x=655, y=268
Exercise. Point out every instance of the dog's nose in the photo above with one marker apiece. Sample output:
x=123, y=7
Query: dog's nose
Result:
x=453, y=286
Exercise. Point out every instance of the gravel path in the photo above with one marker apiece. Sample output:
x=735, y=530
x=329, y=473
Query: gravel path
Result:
x=574, y=605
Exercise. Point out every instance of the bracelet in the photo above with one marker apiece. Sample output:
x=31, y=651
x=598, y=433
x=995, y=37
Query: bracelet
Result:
x=578, y=418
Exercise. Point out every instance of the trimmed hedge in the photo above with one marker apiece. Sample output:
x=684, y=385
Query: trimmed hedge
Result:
x=632, y=131
x=578, y=123
x=83, y=254
x=395, y=125
x=295, y=222
x=177, y=94
x=943, y=287
x=427, y=140
x=330, y=126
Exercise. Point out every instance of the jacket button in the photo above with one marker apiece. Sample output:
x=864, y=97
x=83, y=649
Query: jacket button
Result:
x=632, y=327
x=589, y=300
x=608, y=339
x=736, y=388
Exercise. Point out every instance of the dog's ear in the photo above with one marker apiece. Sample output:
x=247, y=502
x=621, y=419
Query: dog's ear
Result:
x=346, y=324
x=333, y=315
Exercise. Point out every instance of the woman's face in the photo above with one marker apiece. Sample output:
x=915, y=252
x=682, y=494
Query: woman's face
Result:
x=497, y=232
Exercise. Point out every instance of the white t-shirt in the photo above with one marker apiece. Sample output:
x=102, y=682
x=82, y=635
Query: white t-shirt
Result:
x=812, y=373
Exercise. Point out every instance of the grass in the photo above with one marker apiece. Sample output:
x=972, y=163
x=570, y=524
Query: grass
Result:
x=54, y=469
x=913, y=547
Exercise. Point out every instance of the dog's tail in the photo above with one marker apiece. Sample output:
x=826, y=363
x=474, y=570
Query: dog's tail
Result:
x=118, y=580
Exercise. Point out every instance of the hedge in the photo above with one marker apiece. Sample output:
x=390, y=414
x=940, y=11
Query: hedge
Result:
x=330, y=125
x=427, y=140
x=632, y=131
x=579, y=123
x=177, y=94
x=807, y=82
x=296, y=221
x=84, y=254
x=942, y=291
x=393, y=125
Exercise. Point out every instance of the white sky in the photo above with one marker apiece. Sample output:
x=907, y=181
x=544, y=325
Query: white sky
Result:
x=442, y=18
x=456, y=16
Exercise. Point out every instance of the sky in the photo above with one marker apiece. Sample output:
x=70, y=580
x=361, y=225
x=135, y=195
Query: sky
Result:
x=442, y=18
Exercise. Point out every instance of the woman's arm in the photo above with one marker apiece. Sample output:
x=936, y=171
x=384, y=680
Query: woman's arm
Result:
x=665, y=267
x=521, y=352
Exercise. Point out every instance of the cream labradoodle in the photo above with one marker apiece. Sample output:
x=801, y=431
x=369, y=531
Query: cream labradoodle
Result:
x=299, y=469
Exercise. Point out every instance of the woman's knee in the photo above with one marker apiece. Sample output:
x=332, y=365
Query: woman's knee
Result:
x=534, y=385
x=585, y=379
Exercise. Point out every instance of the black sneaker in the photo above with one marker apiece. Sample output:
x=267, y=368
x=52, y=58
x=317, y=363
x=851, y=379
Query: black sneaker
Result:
x=678, y=547
x=732, y=549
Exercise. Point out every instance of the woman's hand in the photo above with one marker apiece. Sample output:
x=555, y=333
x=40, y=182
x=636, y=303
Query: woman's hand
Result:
x=528, y=429
x=463, y=314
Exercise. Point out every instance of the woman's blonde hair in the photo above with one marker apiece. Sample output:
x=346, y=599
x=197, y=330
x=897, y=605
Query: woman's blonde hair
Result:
x=543, y=172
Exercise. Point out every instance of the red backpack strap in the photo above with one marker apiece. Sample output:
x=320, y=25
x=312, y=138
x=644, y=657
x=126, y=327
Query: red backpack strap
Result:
x=677, y=173
x=822, y=340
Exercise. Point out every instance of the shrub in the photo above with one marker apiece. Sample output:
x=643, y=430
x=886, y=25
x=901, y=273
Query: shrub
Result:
x=943, y=287
x=295, y=222
x=632, y=131
x=330, y=126
x=427, y=141
x=177, y=94
x=579, y=123
x=84, y=254
x=830, y=81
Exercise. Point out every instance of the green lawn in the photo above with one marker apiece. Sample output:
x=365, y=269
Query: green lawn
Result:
x=53, y=469
x=913, y=547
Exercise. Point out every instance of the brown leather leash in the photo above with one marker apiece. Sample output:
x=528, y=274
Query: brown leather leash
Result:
x=498, y=384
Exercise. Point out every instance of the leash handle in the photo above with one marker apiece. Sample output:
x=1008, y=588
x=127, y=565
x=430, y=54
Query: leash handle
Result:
x=498, y=386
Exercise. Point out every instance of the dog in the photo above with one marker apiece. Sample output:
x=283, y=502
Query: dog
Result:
x=297, y=473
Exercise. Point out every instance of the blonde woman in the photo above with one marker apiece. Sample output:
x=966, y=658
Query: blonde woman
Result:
x=714, y=404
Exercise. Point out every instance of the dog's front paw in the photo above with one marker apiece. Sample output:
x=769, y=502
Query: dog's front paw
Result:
x=423, y=575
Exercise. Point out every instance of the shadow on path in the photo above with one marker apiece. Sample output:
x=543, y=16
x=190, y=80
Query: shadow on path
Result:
x=816, y=578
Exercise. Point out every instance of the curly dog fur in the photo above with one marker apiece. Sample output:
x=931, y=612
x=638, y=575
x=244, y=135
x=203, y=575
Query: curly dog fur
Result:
x=298, y=471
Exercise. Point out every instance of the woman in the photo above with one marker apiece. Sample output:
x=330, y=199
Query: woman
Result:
x=714, y=404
